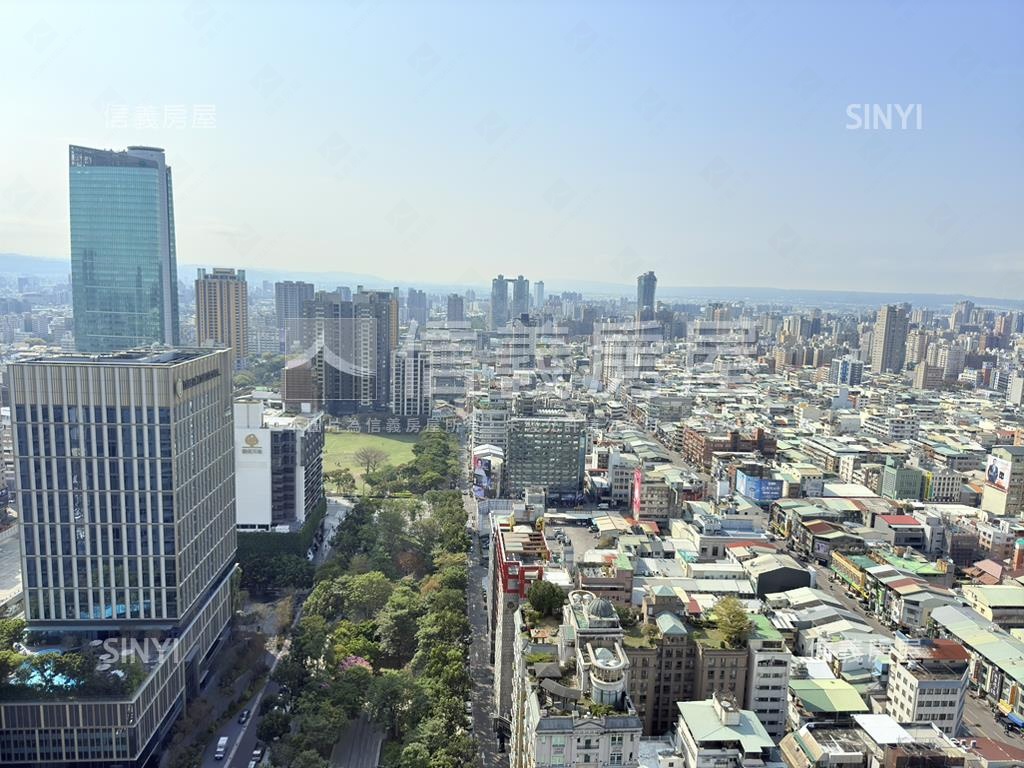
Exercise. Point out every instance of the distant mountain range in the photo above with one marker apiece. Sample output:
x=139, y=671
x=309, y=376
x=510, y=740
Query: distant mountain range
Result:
x=20, y=264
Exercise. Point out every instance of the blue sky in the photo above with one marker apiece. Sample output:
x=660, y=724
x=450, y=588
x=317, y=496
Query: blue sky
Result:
x=447, y=142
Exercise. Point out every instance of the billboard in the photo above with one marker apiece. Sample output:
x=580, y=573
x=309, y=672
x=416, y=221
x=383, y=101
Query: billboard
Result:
x=997, y=473
x=758, y=489
x=638, y=483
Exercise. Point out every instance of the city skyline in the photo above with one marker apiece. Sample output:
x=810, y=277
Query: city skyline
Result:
x=619, y=160
x=511, y=384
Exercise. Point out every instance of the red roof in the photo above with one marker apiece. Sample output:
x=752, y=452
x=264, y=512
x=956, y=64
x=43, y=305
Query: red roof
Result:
x=820, y=526
x=997, y=751
x=900, y=520
x=761, y=544
x=949, y=650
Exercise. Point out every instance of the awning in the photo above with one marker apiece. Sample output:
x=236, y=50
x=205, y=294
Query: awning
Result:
x=1016, y=719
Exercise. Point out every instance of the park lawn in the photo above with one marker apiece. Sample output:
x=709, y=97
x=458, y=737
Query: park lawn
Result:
x=340, y=449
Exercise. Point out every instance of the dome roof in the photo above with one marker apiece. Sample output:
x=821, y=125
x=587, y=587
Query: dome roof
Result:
x=601, y=609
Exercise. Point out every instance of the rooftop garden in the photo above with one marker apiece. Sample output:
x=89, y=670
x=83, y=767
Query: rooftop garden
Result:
x=62, y=673
x=641, y=636
x=728, y=628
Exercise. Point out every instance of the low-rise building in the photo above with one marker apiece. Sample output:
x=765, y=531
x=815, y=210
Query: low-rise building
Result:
x=570, y=690
x=823, y=701
x=716, y=733
x=279, y=477
x=1002, y=604
x=928, y=682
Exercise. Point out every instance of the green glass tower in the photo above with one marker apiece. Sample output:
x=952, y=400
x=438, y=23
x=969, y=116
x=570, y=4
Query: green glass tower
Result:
x=123, y=267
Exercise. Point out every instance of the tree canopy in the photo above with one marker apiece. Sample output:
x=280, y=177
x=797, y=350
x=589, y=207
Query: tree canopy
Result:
x=546, y=598
x=733, y=622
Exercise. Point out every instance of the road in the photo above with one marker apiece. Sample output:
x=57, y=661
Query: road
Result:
x=481, y=672
x=337, y=509
x=837, y=590
x=241, y=738
x=979, y=719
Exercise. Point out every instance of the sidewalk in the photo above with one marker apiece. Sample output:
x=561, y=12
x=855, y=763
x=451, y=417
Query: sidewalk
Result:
x=359, y=746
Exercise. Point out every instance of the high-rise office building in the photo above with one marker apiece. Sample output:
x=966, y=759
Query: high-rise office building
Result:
x=456, y=308
x=546, y=452
x=376, y=328
x=645, y=287
x=290, y=298
x=538, y=294
x=520, y=297
x=846, y=370
x=222, y=311
x=889, y=339
x=499, y=302
x=416, y=306
x=124, y=273
x=126, y=490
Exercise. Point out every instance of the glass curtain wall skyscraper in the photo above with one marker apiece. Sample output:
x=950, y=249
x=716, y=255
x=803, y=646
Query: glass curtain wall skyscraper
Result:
x=646, y=284
x=124, y=273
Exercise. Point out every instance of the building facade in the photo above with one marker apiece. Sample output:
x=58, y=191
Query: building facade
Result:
x=646, y=285
x=928, y=682
x=889, y=340
x=499, y=302
x=546, y=451
x=124, y=273
x=222, y=312
x=410, y=382
x=126, y=487
x=290, y=297
x=279, y=478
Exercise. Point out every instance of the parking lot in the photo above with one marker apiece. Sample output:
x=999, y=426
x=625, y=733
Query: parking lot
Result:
x=581, y=538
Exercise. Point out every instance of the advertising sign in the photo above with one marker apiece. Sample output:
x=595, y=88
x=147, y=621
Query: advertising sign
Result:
x=638, y=482
x=998, y=473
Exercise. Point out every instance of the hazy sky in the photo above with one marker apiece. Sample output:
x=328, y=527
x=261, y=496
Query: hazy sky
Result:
x=449, y=141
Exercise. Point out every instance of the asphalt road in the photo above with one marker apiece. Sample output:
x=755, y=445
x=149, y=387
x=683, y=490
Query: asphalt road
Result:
x=241, y=738
x=979, y=719
x=838, y=591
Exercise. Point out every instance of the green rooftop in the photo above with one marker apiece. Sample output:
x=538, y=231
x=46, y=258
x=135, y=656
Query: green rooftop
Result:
x=705, y=726
x=827, y=696
x=763, y=628
x=635, y=637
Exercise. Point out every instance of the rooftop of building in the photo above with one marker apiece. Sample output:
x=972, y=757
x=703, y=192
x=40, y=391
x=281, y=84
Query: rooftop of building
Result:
x=161, y=356
x=706, y=726
x=522, y=544
x=900, y=520
x=827, y=696
x=763, y=628
x=998, y=595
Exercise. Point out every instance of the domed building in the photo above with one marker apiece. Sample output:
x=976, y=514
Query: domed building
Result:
x=576, y=709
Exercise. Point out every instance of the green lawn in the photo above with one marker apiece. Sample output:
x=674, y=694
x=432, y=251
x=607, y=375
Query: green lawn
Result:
x=340, y=449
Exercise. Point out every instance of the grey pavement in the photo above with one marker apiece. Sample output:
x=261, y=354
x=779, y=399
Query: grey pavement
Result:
x=359, y=746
